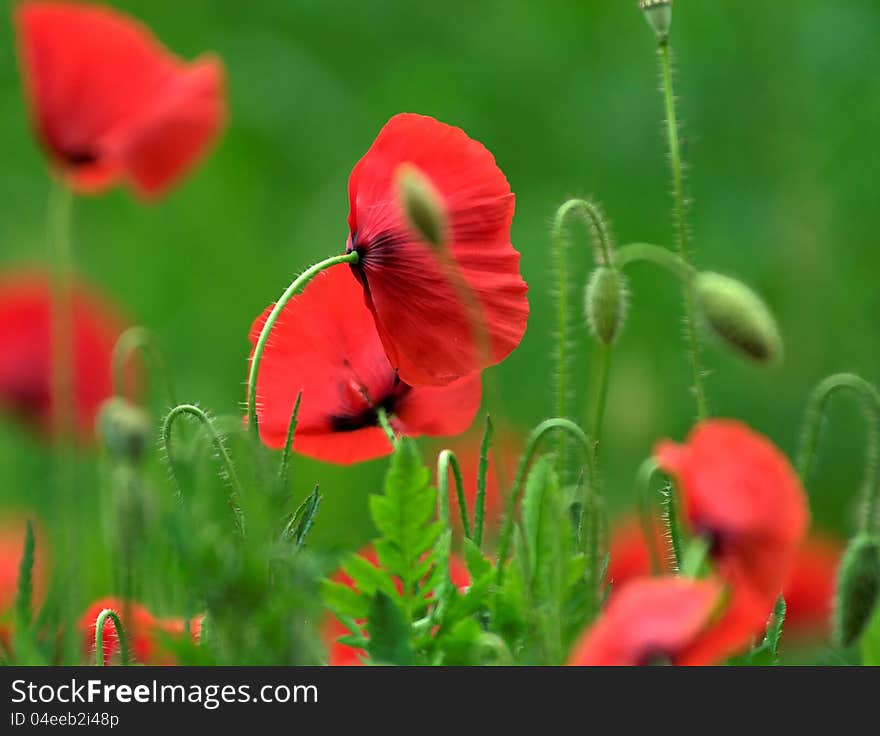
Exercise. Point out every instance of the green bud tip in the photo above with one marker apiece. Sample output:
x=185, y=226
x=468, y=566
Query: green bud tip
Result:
x=738, y=317
x=422, y=204
x=605, y=303
x=124, y=429
x=658, y=13
x=858, y=589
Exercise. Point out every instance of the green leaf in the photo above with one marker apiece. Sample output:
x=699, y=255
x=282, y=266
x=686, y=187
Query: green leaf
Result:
x=477, y=565
x=343, y=600
x=368, y=578
x=870, y=641
x=24, y=596
x=389, y=633
x=302, y=519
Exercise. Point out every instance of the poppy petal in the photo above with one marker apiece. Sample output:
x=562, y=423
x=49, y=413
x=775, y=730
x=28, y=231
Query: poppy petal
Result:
x=428, y=330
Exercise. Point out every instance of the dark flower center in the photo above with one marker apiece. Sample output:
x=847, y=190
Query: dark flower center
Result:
x=367, y=415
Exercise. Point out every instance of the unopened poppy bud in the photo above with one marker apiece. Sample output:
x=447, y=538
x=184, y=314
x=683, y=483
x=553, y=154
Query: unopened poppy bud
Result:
x=605, y=301
x=738, y=317
x=658, y=13
x=422, y=204
x=124, y=429
x=858, y=589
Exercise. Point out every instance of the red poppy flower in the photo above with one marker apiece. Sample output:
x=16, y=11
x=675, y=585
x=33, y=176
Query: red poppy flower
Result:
x=325, y=345
x=109, y=103
x=342, y=655
x=26, y=351
x=653, y=620
x=143, y=630
x=741, y=493
x=425, y=327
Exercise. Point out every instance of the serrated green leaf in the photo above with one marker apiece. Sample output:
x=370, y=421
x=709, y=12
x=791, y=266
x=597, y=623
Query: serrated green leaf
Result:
x=343, y=600
x=368, y=578
x=389, y=633
x=477, y=565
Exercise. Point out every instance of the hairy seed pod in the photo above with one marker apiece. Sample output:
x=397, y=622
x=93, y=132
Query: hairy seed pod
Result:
x=658, y=13
x=605, y=301
x=124, y=429
x=738, y=317
x=422, y=205
x=858, y=589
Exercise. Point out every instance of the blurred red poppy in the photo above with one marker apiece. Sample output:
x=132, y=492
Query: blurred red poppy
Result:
x=325, y=345
x=26, y=351
x=143, y=630
x=741, y=493
x=808, y=592
x=109, y=102
x=653, y=621
x=425, y=327
x=342, y=655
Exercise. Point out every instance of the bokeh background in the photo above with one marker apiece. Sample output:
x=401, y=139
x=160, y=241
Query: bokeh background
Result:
x=780, y=104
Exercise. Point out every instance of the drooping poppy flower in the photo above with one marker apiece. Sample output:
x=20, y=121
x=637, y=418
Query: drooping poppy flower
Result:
x=808, y=591
x=325, y=345
x=26, y=351
x=741, y=493
x=505, y=450
x=109, y=103
x=425, y=324
x=342, y=655
x=143, y=631
x=652, y=621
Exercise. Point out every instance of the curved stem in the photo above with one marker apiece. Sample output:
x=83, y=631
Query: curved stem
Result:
x=531, y=448
x=816, y=406
x=482, y=473
x=99, y=637
x=603, y=253
x=673, y=528
x=646, y=517
x=229, y=468
x=299, y=283
x=385, y=424
x=140, y=338
x=658, y=255
x=680, y=217
x=445, y=461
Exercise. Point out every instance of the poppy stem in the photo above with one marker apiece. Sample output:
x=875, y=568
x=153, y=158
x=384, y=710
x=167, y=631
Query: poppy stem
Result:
x=869, y=399
x=445, y=461
x=298, y=284
x=680, y=219
x=228, y=468
x=604, y=373
x=382, y=417
x=60, y=213
x=659, y=256
x=532, y=444
x=603, y=255
x=482, y=474
x=120, y=635
x=644, y=476
x=673, y=528
x=288, y=443
x=140, y=339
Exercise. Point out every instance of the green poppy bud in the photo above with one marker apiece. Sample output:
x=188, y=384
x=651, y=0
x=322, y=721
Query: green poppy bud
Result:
x=738, y=317
x=658, y=13
x=858, y=589
x=422, y=205
x=124, y=429
x=605, y=301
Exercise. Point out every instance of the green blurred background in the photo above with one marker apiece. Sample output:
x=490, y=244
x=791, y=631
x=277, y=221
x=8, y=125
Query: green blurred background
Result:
x=780, y=103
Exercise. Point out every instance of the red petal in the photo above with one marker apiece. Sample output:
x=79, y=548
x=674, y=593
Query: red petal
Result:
x=325, y=345
x=106, y=97
x=425, y=324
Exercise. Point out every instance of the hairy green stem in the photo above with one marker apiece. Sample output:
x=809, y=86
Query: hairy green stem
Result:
x=658, y=256
x=385, y=424
x=288, y=443
x=482, y=473
x=225, y=458
x=299, y=283
x=140, y=339
x=601, y=397
x=680, y=219
x=644, y=476
x=869, y=398
x=445, y=461
x=120, y=635
x=532, y=444
x=603, y=253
